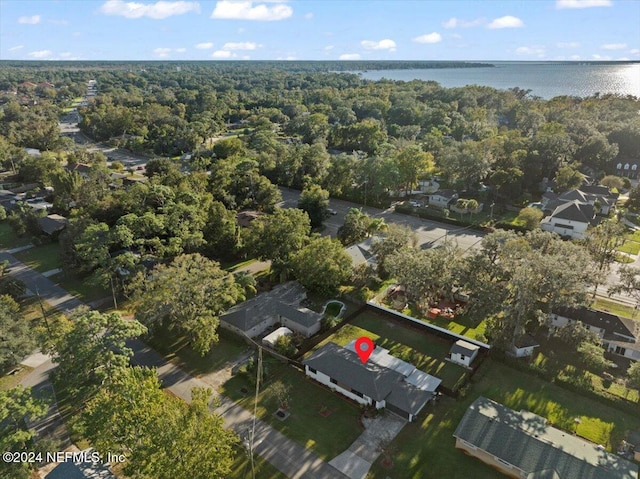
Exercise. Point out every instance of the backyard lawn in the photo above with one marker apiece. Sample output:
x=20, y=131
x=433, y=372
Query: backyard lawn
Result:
x=458, y=325
x=42, y=258
x=326, y=436
x=425, y=351
x=8, y=238
x=427, y=449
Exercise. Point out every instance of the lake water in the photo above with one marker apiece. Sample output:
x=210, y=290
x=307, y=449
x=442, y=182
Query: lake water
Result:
x=544, y=79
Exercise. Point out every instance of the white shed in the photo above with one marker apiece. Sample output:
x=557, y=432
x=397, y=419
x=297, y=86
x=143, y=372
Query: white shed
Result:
x=463, y=352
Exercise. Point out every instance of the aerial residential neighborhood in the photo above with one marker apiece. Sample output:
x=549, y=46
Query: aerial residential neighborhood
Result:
x=237, y=242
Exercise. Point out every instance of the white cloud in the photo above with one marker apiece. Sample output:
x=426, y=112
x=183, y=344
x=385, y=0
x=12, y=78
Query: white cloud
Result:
x=507, y=21
x=32, y=20
x=385, y=44
x=331, y=47
x=568, y=44
x=635, y=51
x=240, y=46
x=165, y=52
x=221, y=54
x=595, y=56
x=433, y=37
x=245, y=10
x=162, y=52
x=349, y=56
x=204, y=46
x=454, y=22
x=20, y=47
x=157, y=11
x=533, y=50
x=575, y=57
x=614, y=46
x=41, y=54
x=563, y=4
x=308, y=16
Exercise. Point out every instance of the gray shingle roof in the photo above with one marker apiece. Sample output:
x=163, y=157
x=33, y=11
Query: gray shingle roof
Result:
x=377, y=382
x=300, y=315
x=574, y=211
x=254, y=311
x=611, y=323
x=525, y=441
x=345, y=367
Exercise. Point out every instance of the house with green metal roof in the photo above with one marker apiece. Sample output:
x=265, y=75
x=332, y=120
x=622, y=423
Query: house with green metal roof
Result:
x=522, y=445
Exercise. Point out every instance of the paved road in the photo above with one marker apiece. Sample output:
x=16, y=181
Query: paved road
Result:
x=427, y=231
x=36, y=283
x=289, y=457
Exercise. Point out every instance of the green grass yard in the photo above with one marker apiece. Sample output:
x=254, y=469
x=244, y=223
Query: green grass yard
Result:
x=629, y=246
x=426, y=449
x=8, y=238
x=42, y=258
x=614, y=307
x=326, y=436
x=83, y=289
x=241, y=468
x=425, y=351
x=175, y=348
x=458, y=325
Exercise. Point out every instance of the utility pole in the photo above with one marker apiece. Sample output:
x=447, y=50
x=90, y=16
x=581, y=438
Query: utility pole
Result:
x=113, y=293
x=44, y=314
x=252, y=436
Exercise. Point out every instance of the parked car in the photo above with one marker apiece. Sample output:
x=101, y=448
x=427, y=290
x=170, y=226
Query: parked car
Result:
x=415, y=204
x=331, y=211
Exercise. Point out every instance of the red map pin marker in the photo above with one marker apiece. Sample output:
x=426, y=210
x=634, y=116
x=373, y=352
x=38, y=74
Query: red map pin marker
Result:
x=364, y=348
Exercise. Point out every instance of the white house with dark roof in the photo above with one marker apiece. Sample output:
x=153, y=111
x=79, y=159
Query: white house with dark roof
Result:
x=521, y=444
x=383, y=381
x=442, y=198
x=281, y=306
x=570, y=219
x=619, y=335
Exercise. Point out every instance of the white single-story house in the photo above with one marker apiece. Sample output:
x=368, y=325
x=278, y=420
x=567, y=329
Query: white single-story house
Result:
x=619, y=335
x=520, y=444
x=442, y=198
x=281, y=306
x=382, y=382
x=463, y=353
x=570, y=219
x=271, y=338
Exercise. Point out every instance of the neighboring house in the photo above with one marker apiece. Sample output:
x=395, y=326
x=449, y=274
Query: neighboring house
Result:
x=463, y=353
x=570, y=219
x=598, y=196
x=382, y=382
x=619, y=335
x=522, y=445
x=281, y=306
x=76, y=467
x=442, y=198
x=361, y=253
x=524, y=346
x=627, y=168
x=52, y=224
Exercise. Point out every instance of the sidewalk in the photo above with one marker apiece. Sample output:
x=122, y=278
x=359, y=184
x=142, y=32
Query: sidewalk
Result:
x=292, y=459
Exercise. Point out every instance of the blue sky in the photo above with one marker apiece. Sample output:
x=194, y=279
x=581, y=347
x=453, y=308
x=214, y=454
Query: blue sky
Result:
x=320, y=30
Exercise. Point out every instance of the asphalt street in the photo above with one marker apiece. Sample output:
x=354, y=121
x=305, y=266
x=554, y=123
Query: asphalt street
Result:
x=427, y=231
